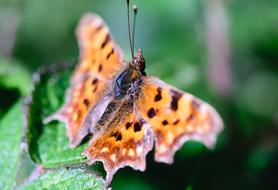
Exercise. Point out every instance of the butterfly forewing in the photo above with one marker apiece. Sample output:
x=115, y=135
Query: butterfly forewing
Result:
x=176, y=117
x=100, y=60
x=99, y=54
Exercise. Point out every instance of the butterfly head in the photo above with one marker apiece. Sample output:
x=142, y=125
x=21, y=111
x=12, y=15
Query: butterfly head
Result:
x=129, y=80
x=139, y=62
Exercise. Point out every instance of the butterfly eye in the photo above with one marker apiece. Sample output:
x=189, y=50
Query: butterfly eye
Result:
x=123, y=83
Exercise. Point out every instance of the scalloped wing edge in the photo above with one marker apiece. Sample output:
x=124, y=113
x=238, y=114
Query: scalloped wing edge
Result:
x=136, y=165
x=209, y=140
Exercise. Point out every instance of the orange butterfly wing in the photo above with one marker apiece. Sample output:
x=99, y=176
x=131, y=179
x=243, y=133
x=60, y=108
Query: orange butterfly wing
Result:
x=100, y=60
x=161, y=114
x=126, y=141
x=99, y=53
x=176, y=117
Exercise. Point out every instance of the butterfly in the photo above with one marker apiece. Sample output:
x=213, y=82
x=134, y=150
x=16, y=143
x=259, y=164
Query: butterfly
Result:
x=127, y=112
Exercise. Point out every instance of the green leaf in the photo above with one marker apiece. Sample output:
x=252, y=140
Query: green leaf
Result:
x=134, y=182
x=66, y=179
x=13, y=75
x=48, y=144
x=262, y=156
x=8, y=97
x=14, y=82
x=11, y=131
x=54, y=148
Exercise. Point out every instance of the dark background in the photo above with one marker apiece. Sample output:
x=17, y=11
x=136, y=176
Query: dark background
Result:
x=225, y=52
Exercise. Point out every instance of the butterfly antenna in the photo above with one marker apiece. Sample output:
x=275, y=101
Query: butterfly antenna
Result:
x=135, y=10
x=129, y=33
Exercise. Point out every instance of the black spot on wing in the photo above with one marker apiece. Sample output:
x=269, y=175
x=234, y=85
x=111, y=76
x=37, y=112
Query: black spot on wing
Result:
x=176, y=122
x=175, y=99
x=151, y=113
x=95, y=81
x=95, y=85
x=117, y=135
x=158, y=95
x=86, y=102
x=127, y=125
x=95, y=89
x=110, y=53
x=137, y=127
x=100, y=68
x=165, y=122
x=105, y=42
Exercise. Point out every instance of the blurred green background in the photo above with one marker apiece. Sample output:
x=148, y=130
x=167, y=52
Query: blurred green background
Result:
x=225, y=52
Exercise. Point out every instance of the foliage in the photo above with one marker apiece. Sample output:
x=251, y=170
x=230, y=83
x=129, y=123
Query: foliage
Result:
x=48, y=144
x=173, y=37
x=66, y=179
x=11, y=132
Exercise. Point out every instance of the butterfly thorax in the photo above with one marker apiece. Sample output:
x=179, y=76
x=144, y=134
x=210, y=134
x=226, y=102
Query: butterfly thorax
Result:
x=128, y=82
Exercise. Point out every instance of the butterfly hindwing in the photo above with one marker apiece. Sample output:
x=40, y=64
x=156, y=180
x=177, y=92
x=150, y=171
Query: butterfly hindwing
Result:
x=100, y=60
x=126, y=140
x=176, y=117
